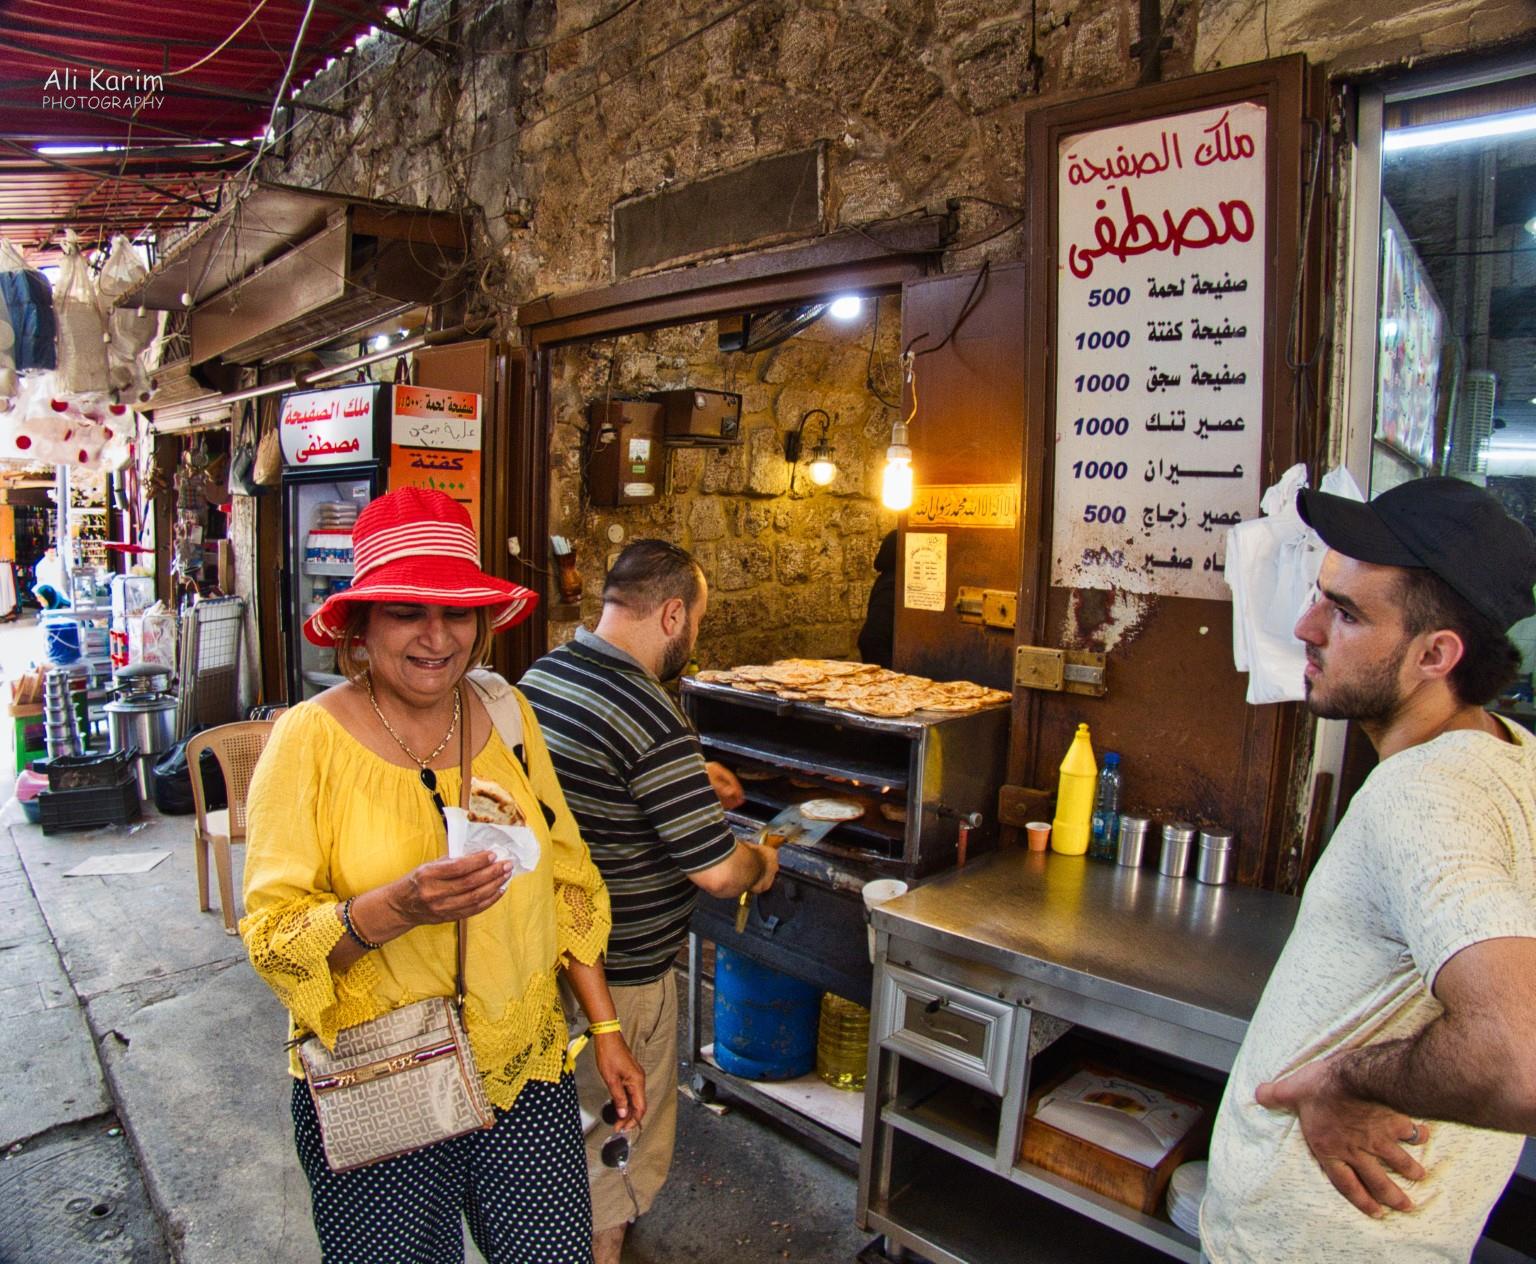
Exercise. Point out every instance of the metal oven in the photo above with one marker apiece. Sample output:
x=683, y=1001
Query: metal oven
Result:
x=929, y=786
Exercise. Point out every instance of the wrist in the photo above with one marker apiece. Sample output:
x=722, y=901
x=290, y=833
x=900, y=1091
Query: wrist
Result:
x=347, y=910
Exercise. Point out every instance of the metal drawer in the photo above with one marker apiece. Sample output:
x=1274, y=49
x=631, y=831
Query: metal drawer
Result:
x=947, y=1027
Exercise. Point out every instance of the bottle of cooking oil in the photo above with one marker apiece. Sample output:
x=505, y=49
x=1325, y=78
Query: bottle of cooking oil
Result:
x=842, y=1043
x=1074, y=797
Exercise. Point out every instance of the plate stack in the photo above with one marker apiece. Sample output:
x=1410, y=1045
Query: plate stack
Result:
x=1185, y=1191
x=335, y=515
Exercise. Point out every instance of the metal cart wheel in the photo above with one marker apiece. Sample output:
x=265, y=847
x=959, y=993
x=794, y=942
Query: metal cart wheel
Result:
x=704, y=1089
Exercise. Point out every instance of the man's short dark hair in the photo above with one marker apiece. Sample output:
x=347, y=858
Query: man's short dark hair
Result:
x=649, y=573
x=1489, y=660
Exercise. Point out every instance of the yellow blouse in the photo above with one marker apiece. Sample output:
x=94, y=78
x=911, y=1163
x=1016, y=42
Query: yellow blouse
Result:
x=328, y=819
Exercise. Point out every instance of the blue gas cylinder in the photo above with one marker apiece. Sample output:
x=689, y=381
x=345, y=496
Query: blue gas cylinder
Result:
x=765, y=1021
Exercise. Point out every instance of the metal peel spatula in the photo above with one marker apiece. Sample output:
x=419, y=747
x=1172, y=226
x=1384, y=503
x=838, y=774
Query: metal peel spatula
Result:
x=784, y=827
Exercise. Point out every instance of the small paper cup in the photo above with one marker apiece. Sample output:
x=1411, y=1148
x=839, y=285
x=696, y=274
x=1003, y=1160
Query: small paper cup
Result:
x=878, y=892
x=1039, y=835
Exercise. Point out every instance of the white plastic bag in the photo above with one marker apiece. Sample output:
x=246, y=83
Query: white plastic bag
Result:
x=129, y=330
x=1272, y=565
x=82, y=331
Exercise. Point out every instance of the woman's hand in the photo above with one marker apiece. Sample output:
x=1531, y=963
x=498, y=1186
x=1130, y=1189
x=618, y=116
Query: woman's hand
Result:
x=446, y=890
x=623, y=1076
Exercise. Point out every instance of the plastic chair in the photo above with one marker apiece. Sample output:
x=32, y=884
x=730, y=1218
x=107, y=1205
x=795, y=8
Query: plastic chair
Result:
x=237, y=747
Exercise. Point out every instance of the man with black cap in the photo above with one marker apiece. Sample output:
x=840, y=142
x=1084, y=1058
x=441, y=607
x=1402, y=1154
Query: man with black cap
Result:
x=1378, y=1104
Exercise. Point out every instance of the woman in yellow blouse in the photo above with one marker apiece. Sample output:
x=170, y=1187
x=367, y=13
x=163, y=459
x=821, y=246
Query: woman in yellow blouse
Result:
x=351, y=910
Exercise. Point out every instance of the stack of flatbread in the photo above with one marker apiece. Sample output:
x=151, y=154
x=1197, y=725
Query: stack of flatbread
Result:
x=860, y=687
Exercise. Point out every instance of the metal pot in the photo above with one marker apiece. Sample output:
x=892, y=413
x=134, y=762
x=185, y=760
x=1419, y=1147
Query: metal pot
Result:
x=148, y=723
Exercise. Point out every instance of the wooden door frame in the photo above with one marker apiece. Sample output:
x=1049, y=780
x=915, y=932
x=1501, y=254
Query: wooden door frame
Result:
x=851, y=261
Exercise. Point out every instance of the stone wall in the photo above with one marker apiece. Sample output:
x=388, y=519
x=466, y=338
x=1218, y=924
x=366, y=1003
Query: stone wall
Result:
x=546, y=114
x=789, y=570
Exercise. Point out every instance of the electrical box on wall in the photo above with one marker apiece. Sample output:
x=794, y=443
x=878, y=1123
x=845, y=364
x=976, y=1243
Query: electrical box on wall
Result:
x=624, y=453
x=701, y=417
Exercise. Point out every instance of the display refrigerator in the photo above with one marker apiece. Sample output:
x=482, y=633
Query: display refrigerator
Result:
x=335, y=446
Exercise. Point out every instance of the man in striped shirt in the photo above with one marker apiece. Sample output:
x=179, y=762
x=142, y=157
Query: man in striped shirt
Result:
x=651, y=811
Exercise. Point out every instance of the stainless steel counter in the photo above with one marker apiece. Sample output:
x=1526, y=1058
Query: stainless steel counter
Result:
x=1127, y=951
x=976, y=972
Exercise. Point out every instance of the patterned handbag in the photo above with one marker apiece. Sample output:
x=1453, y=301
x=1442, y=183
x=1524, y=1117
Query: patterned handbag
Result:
x=401, y=1081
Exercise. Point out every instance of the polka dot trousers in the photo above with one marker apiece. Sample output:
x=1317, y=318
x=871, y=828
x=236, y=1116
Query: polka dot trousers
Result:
x=522, y=1187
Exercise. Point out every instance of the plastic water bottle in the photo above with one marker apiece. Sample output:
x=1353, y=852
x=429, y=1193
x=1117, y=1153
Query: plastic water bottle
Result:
x=1074, y=796
x=1106, y=811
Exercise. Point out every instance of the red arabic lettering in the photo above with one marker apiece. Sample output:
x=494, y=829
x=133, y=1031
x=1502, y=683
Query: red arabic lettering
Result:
x=1196, y=229
x=1224, y=145
x=1123, y=166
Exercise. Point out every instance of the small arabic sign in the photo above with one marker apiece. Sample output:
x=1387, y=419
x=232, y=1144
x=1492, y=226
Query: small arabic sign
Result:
x=1161, y=273
x=926, y=578
x=435, y=443
x=423, y=417
x=985, y=505
x=333, y=427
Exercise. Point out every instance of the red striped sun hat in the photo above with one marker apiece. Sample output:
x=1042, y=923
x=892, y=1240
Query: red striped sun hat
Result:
x=418, y=546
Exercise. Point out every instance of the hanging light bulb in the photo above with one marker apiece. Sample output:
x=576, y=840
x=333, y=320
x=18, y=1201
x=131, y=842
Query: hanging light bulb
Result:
x=896, y=482
x=822, y=468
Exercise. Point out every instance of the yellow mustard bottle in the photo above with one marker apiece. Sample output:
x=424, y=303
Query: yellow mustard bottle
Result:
x=1074, y=797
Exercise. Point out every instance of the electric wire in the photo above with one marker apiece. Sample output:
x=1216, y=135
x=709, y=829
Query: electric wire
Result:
x=229, y=39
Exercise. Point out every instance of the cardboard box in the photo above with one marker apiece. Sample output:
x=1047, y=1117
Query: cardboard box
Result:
x=1117, y=1109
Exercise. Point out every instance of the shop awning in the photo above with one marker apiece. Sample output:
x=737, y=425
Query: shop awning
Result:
x=131, y=80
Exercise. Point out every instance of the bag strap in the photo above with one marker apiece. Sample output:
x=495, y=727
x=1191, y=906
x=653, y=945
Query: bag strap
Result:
x=505, y=712
x=460, y=931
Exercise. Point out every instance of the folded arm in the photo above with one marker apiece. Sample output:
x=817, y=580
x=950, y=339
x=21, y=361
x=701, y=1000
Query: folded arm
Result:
x=1474, y=1064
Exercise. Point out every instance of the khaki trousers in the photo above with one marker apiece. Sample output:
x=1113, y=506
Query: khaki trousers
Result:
x=648, y=1014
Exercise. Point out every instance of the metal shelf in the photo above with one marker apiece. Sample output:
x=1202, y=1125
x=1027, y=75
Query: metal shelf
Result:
x=784, y=755
x=958, y=1214
x=343, y=570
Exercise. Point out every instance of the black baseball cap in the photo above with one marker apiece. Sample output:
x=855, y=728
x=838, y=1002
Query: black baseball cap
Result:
x=1453, y=528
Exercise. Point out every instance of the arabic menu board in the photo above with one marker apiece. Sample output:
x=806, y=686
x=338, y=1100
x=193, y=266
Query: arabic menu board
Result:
x=1160, y=350
x=435, y=443
x=333, y=427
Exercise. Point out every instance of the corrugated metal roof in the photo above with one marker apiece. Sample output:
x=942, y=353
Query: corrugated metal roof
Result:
x=110, y=74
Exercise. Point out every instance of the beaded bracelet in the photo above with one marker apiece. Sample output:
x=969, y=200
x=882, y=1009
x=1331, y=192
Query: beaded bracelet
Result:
x=346, y=922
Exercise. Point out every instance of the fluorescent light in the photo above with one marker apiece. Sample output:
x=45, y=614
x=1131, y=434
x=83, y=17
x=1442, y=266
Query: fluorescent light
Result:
x=846, y=307
x=78, y=149
x=1491, y=125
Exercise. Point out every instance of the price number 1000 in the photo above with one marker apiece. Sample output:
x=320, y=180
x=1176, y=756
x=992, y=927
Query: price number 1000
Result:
x=1102, y=426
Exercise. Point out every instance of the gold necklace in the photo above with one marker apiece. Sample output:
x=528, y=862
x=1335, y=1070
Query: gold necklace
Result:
x=400, y=741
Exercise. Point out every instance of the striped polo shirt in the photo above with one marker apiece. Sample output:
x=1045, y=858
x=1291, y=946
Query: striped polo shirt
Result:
x=633, y=774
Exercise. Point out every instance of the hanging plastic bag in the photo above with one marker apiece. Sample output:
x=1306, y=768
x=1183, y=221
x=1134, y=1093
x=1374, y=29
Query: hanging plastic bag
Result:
x=28, y=300
x=129, y=330
x=82, y=331
x=1272, y=565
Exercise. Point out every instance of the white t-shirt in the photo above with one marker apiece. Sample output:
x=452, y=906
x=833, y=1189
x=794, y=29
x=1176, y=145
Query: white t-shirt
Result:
x=1436, y=852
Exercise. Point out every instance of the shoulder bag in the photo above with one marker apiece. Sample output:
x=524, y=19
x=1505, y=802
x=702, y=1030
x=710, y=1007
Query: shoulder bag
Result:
x=242, y=461
x=404, y=1080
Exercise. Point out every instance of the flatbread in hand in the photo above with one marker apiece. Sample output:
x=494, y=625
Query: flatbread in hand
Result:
x=490, y=803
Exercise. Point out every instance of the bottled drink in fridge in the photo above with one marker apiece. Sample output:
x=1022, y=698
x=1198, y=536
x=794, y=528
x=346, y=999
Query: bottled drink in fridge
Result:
x=1106, y=811
x=1074, y=796
x=842, y=1043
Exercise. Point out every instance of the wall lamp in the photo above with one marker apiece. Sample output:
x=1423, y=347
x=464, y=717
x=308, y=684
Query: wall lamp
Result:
x=822, y=468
